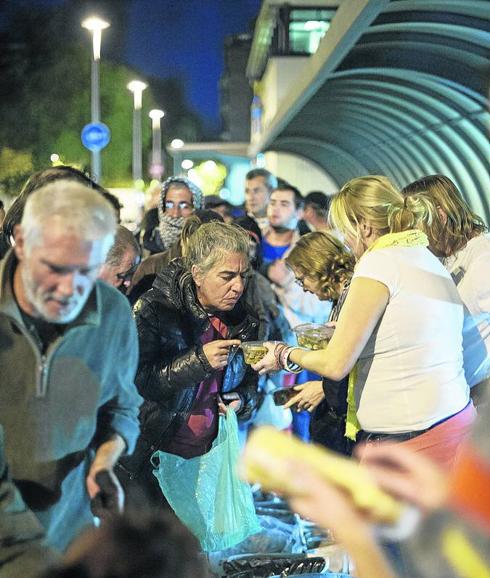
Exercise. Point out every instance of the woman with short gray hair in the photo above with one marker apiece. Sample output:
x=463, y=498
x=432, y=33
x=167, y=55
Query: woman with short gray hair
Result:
x=190, y=324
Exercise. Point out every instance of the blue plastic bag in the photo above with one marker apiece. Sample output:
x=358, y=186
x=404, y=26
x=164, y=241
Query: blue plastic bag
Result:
x=206, y=493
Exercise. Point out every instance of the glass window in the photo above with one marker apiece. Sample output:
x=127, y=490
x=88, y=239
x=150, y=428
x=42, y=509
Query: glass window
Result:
x=307, y=28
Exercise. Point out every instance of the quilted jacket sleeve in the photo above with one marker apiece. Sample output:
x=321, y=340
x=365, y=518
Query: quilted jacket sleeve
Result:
x=162, y=372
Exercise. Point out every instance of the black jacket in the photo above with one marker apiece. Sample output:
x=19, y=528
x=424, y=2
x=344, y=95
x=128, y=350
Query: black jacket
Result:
x=170, y=324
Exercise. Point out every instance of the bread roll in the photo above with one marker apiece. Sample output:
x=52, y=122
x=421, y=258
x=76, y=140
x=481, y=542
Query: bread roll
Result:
x=265, y=461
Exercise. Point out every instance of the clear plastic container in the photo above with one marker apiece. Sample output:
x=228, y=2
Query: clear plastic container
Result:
x=253, y=351
x=313, y=335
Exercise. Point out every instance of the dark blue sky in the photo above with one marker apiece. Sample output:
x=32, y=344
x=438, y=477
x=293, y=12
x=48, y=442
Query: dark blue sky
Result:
x=184, y=38
x=178, y=38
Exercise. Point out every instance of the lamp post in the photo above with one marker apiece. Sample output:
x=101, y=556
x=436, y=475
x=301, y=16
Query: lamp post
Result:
x=176, y=145
x=137, y=87
x=95, y=25
x=156, y=167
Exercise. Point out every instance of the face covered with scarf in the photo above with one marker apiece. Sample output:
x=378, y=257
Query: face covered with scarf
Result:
x=179, y=198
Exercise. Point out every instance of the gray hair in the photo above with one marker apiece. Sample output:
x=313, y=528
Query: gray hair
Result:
x=123, y=241
x=79, y=209
x=211, y=242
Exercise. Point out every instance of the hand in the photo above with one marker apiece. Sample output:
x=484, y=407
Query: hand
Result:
x=225, y=405
x=405, y=474
x=309, y=397
x=320, y=501
x=269, y=363
x=103, y=487
x=106, y=493
x=278, y=273
x=216, y=352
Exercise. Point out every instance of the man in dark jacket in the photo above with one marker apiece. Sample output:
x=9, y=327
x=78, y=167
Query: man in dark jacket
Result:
x=190, y=325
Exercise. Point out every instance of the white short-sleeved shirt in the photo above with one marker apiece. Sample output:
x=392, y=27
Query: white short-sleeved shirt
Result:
x=410, y=374
x=470, y=269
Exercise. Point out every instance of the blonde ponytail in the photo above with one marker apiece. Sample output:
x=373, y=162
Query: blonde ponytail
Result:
x=415, y=212
x=367, y=198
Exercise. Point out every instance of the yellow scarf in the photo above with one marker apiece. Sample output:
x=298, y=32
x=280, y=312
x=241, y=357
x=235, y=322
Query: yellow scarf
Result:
x=410, y=238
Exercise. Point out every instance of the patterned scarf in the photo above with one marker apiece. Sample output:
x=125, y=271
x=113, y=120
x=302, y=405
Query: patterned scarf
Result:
x=169, y=228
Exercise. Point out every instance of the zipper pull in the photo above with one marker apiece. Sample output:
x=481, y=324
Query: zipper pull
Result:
x=41, y=386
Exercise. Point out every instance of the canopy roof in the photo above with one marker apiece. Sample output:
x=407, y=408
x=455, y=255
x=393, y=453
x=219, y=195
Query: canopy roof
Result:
x=396, y=88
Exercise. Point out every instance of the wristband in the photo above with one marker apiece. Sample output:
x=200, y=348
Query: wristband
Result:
x=278, y=351
x=287, y=365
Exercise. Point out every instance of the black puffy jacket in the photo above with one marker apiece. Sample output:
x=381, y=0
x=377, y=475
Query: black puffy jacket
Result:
x=170, y=324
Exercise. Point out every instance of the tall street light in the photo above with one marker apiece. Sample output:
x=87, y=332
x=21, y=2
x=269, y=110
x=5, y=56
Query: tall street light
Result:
x=95, y=25
x=176, y=145
x=156, y=167
x=137, y=87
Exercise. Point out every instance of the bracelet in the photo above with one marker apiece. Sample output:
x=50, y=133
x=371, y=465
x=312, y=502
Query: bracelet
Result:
x=278, y=351
x=286, y=364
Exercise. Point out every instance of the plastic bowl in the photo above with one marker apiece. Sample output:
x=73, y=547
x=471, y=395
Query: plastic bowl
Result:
x=313, y=335
x=253, y=351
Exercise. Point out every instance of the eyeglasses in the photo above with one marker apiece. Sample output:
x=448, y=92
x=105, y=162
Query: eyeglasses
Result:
x=127, y=275
x=300, y=281
x=182, y=205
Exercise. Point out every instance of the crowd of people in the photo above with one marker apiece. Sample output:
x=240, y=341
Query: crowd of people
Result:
x=115, y=346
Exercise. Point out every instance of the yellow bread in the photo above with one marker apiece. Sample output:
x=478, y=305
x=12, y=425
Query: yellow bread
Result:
x=266, y=458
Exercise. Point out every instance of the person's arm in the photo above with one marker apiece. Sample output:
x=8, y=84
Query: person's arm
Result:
x=117, y=417
x=103, y=487
x=160, y=375
x=476, y=285
x=120, y=401
x=162, y=372
x=329, y=507
x=364, y=305
x=406, y=474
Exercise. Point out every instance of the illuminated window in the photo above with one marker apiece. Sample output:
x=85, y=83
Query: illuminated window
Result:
x=307, y=28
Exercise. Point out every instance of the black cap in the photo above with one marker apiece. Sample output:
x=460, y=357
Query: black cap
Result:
x=207, y=215
x=213, y=201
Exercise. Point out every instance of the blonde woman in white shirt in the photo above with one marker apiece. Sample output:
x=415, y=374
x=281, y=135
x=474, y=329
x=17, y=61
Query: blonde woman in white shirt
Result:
x=460, y=238
x=399, y=334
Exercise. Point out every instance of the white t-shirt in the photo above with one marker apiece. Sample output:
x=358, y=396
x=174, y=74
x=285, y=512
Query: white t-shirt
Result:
x=410, y=374
x=470, y=269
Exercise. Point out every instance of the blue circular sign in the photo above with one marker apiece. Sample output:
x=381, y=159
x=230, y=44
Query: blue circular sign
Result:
x=95, y=136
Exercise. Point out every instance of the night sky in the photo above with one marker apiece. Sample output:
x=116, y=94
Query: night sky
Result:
x=183, y=39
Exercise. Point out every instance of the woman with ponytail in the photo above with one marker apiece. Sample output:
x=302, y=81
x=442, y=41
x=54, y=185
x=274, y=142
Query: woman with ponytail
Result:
x=399, y=334
x=460, y=238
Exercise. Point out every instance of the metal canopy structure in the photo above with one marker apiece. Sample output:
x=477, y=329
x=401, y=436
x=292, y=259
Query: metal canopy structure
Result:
x=396, y=88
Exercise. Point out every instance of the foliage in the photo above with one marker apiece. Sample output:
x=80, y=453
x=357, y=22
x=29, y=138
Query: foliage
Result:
x=15, y=167
x=210, y=176
x=45, y=103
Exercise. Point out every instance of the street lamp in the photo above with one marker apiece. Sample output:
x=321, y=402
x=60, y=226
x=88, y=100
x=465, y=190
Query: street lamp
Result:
x=156, y=168
x=176, y=145
x=95, y=25
x=137, y=87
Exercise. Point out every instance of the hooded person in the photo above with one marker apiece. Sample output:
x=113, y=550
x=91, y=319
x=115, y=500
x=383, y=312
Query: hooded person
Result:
x=179, y=198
